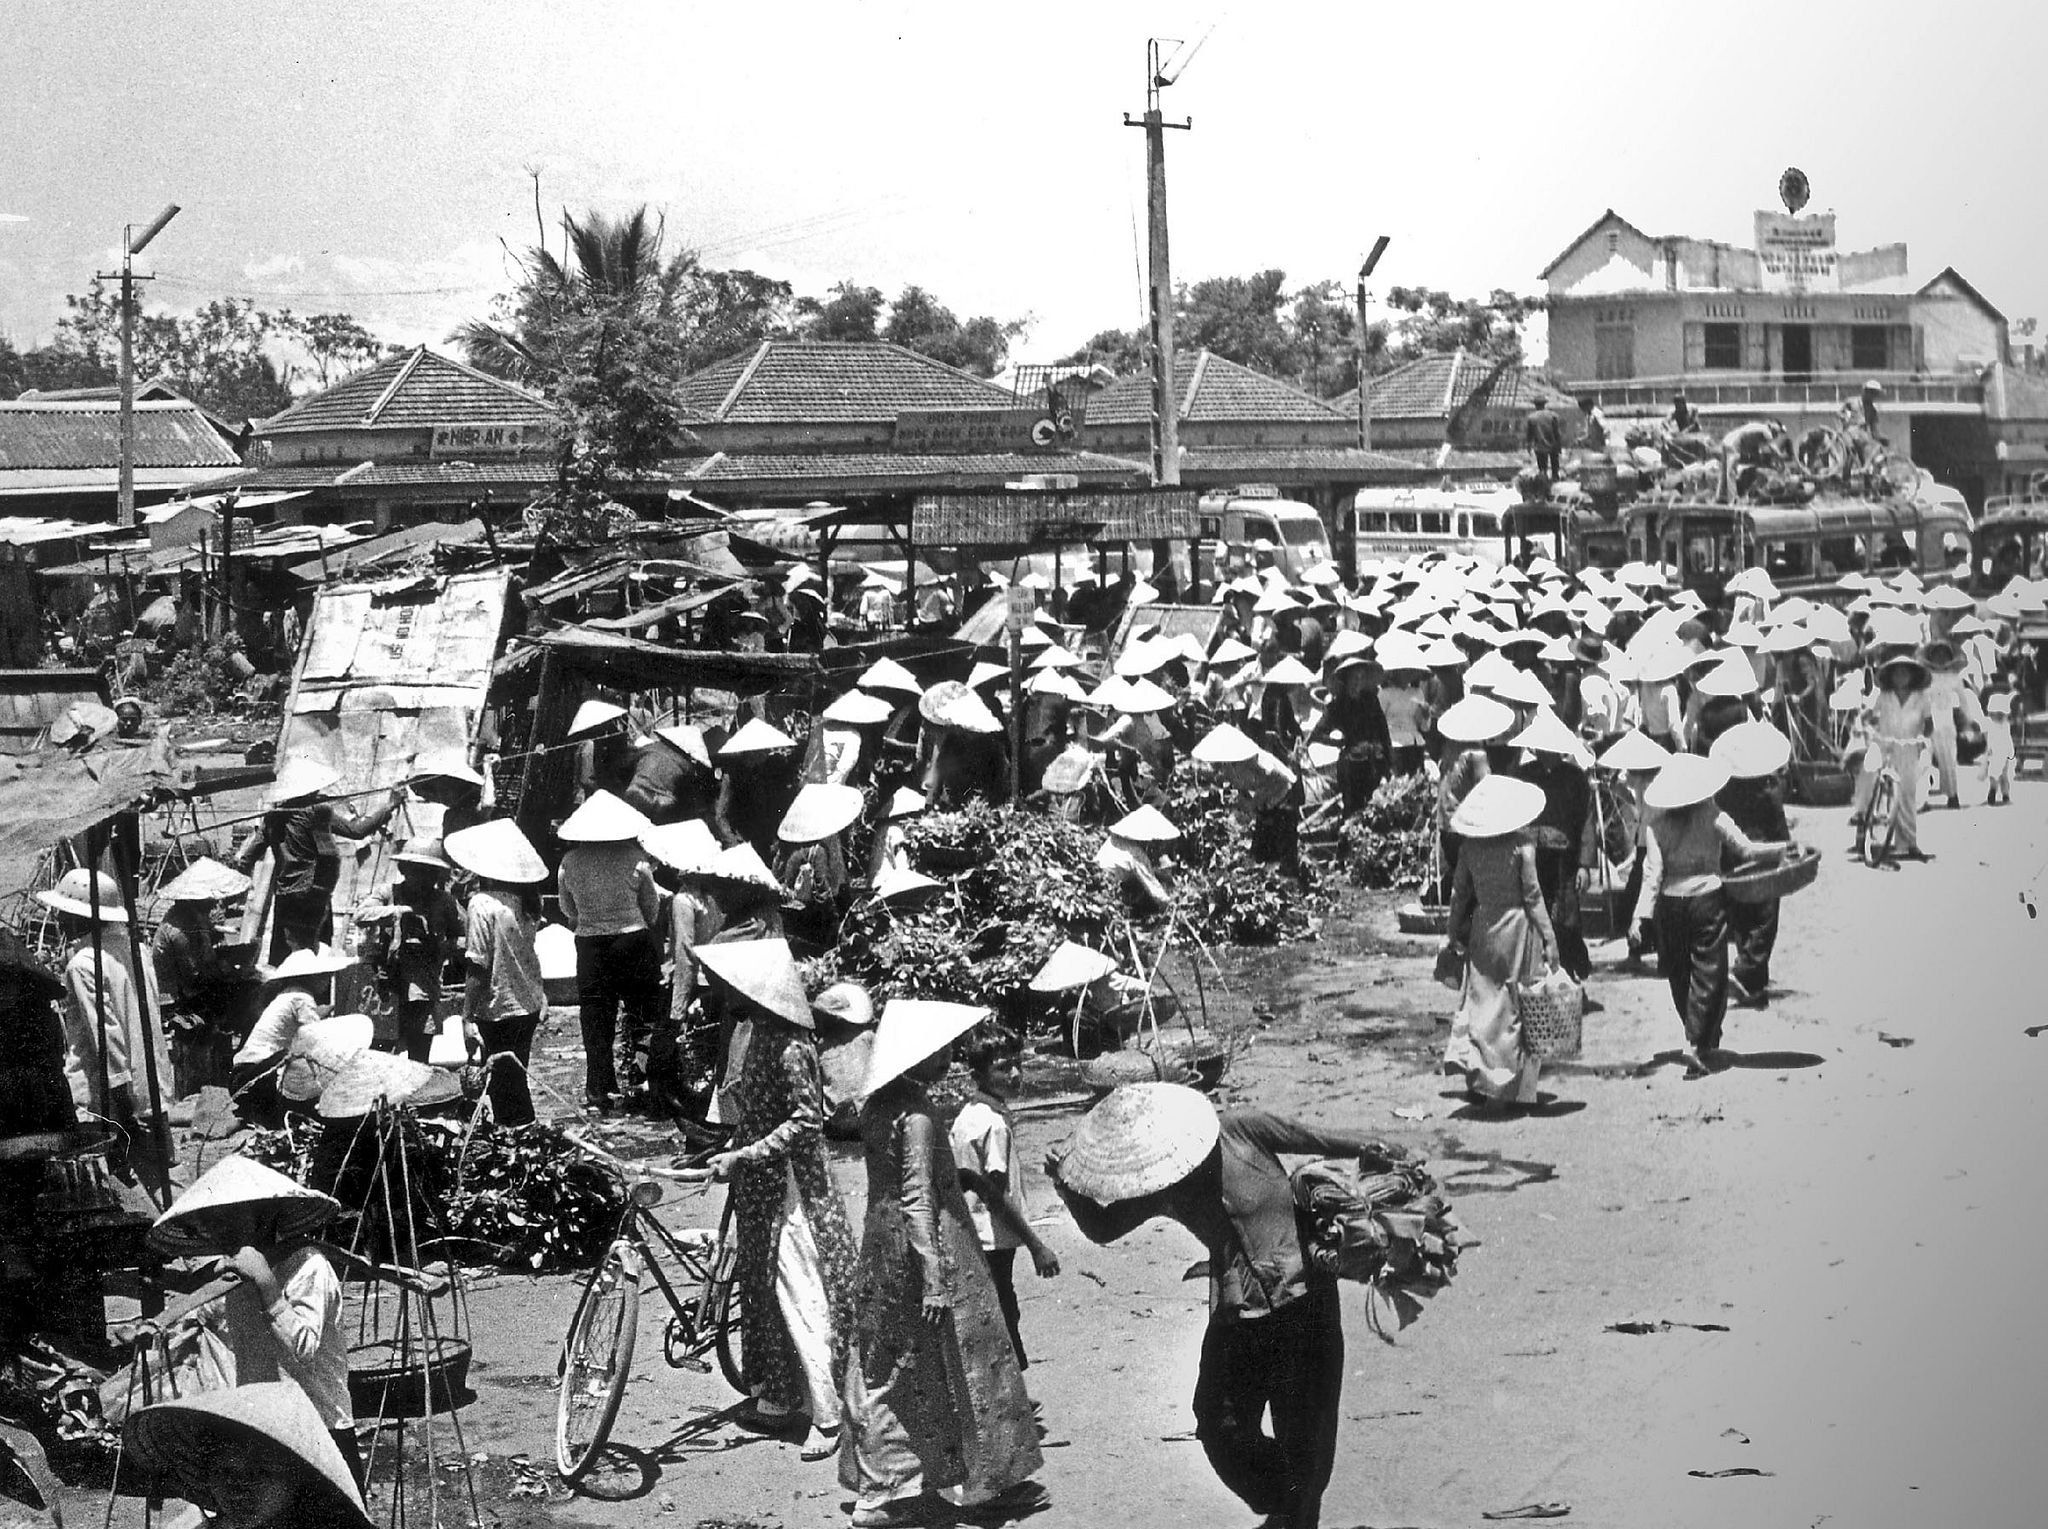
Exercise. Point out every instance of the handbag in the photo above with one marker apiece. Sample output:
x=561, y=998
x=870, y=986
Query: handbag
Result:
x=1552, y=1011
x=1450, y=968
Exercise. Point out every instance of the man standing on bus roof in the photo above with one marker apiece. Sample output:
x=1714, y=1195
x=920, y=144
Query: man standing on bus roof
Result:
x=1872, y=390
x=1544, y=435
x=1593, y=435
x=1683, y=418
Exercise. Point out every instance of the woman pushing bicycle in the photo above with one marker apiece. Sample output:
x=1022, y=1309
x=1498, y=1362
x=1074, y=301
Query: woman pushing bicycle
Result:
x=1899, y=722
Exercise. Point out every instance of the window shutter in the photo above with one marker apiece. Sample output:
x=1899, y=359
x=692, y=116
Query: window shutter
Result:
x=1755, y=353
x=1695, y=348
x=1903, y=348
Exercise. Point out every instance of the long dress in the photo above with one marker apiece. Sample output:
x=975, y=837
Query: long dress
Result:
x=1498, y=918
x=929, y=1405
x=796, y=1254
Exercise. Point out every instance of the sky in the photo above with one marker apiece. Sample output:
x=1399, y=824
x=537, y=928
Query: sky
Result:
x=376, y=158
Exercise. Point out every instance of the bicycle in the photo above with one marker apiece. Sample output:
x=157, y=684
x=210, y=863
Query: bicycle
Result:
x=1879, y=826
x=597, y=1348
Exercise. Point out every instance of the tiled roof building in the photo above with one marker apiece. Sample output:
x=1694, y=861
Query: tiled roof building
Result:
x=63, y=455
x=416, y=436
x=1474, y=404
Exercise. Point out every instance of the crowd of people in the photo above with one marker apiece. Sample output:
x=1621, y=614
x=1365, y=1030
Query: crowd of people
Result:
x=1573, y=731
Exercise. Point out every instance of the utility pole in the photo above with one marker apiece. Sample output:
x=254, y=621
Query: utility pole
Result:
x=1165, y=397
x=132, y=245
x=1379, y=248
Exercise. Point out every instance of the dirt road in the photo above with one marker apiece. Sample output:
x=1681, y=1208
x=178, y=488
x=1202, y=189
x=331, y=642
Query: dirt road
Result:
x=1855, y=1203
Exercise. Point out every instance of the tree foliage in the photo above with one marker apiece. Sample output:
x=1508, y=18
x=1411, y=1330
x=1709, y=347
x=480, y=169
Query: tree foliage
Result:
x=920, y=322
x=849, y=311
x=336, y=342
x=219, y=357
x=1309, y=336
x=600, y=334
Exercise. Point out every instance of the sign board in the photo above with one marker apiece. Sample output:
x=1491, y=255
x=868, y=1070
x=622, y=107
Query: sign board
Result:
x=490, y=440
x=1797, y=254
x=1023, y=606
x=952, y=431
x=1022, y=518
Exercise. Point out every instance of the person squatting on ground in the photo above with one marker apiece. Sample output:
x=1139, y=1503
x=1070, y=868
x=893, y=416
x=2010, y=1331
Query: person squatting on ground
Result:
x=1275, y=1341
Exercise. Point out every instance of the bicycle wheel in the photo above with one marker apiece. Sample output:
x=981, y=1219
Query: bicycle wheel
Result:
x=1881, y=823
x=718, y=1309
x=597, y=1356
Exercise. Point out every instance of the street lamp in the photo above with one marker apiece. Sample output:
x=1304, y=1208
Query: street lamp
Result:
x=132, y=244
x=1379, y=248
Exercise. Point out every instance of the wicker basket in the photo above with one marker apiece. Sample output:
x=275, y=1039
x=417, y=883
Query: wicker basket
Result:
x=1822, y=784
x=1553, y=1013
x=1423, y=918
x=1772, y=882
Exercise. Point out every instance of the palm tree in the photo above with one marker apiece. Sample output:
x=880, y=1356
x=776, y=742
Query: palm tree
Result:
x=599, y=332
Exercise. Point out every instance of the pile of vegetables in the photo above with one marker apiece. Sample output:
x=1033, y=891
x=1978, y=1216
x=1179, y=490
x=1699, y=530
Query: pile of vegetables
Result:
x=1019, y=883
x=1223, y=893
x=1390, y=842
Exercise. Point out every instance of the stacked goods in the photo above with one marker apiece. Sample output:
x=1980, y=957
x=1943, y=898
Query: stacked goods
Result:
x=1391, y=841
x=1393, y=1231
x=1222, y=892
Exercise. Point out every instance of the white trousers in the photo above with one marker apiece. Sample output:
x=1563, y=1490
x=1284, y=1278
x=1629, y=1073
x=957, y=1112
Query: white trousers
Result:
x=806, y=1311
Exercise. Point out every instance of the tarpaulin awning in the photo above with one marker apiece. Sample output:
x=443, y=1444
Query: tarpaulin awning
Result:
x=648, y=615
x=54, y=793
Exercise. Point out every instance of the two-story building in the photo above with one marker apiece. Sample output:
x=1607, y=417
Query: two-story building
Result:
x=1790, y=327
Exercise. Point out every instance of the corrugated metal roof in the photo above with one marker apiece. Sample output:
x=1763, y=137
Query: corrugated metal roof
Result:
x=106, y=480
x=76, y=434
x=415, y=391
x=1212, y=390
x=363, y=475
x=1283, y=462
x=29, y=530
x=893, y=470
x=795, y=380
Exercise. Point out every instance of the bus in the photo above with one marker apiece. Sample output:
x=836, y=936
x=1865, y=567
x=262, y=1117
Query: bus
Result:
x=1806, y=548
x=1391, y=523
x=2011, y=542
x=1242, y=517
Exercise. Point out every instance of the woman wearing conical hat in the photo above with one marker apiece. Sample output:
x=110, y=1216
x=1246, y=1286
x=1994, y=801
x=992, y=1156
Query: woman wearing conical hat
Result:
x=934, y=1396
x=300, y=828
x=796, y=1250
x=1501, y=927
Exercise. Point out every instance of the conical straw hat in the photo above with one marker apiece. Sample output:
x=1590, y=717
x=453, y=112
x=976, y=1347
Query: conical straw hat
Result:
x=1072, y=965
x=911, y=1030
x=324, y=962
x=446, y=764
x=1547, y=734
x=1520, y=687
x=1752, y=750
x=302, y=778
x=166, y=1448
x=376, y=1077
x=986, y=673
x=420, y=850
x=205, y=880
x=764, y=973
x=1147, y=657
x=1687, y=779
x=742, y=865
x=904, y=803
x=1143, y=1138
x=1055, y=682
x=969, y=713
x=1141, y=696
x=688, y=846
x=321, y=1049
x=591, y=716
x=239, y=1182
x=1232, y=651
x=1475, y=719
x=819, y=811
x=1056, y=657
x=757, y=737
x=1498, y=805
x=1635, y=750
x=1733, y=675
x=1288, y=671
x=1224, y=743
x=1147, y=825
x=901, y=885
x=1071, y=769
x=941, y=695
x=858, y=709
x=887, y=674
x=603, y=819
x=688, y=739
x=496, y=851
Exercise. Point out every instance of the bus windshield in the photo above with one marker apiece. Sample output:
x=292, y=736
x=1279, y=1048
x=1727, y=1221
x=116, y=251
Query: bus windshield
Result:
x=1302, y=532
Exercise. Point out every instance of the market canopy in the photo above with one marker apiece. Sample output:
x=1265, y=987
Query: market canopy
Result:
x=1043, y=517
x=654, y=666
x=53, y=793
